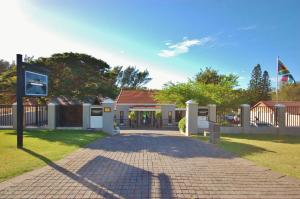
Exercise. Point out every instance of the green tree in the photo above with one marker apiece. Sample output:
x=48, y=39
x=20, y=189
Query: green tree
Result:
x=78, y=75
x=133, y=78
x=211, y=76
x=4, y=65
x=220, y=94
x=256, y=79
x=266, y=86
x=288, y=92
x=259, y=86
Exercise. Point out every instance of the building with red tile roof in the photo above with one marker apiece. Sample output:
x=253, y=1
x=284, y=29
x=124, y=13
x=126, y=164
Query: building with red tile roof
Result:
x=145, y=107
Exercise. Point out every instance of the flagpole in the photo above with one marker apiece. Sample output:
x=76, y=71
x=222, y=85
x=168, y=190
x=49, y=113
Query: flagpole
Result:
x=277, y=80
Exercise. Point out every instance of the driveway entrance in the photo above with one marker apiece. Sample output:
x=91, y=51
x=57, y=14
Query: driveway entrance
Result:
x=151, y=164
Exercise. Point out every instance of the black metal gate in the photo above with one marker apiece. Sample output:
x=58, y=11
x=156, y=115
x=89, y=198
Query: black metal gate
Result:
x=69, y=116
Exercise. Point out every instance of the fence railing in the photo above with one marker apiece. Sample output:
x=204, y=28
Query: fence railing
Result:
x=126, y=123
x=69, y=115
x=36, y=115
x=292, y=116
x=228, y=116
x=263, y=116
x=6, y=117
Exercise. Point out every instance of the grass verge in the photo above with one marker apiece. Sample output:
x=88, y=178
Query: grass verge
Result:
x=278, y=152
x=53, y=145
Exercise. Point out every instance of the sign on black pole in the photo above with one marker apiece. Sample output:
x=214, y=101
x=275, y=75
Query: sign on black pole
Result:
x=32, y=81
x=20, y=92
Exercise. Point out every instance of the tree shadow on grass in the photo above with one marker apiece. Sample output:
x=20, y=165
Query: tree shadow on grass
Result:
x=69, y=137
x=288, y=139
x=242, y=149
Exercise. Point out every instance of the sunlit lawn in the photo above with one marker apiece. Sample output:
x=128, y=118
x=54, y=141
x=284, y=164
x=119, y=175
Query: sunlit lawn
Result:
x=52, y=145
x=280, y=153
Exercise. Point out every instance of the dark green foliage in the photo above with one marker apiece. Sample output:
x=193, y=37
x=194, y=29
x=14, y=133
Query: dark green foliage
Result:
x=259, y=86
x=266, y=86
x=4, y=65
x=288, y=92
x=132, y=78
x=181, y=124
x=211, y=76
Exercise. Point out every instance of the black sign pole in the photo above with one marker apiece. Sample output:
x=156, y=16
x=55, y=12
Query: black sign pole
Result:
x=20, y=91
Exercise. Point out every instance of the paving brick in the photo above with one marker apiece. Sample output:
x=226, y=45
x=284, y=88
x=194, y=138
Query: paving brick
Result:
x=151, y=164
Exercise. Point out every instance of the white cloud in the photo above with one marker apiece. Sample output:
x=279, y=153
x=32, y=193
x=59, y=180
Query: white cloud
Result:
x=183, y=47
x=246, y=28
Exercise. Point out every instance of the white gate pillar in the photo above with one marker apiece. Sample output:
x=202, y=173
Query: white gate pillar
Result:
x=51, y=116
x=108, y=116
x=191, y=118
x=212, y=113
x=86, y=115
x=245, y=117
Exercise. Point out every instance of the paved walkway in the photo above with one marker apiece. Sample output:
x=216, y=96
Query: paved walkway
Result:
x=160, y=164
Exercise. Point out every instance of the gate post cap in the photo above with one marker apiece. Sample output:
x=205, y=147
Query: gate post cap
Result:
x=191, y=102
x=51, y=104
x=245, y=105
x=279, y=105
x=108, y=101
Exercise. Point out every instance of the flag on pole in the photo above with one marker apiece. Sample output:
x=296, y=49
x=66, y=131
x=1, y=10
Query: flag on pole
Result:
x=282, y=69
x=286, y=75
x=288, y=79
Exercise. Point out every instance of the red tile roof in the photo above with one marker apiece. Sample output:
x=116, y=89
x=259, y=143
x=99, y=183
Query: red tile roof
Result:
x=273, y=103
x=136, y=97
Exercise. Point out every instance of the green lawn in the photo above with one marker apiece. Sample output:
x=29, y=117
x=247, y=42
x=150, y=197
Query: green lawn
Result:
x=40, y=145
x=280, y=153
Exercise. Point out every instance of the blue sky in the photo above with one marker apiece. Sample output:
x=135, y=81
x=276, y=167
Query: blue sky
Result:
x=173, y=39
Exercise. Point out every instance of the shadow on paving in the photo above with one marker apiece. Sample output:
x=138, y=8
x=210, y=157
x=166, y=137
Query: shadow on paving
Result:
x=113, y=179
x=168, y=145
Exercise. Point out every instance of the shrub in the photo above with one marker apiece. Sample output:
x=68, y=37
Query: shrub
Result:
x=181, y=125
x=158, y=115
x=132, y=116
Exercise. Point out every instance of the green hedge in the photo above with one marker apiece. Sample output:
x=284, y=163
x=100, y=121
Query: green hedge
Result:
x=181, y=125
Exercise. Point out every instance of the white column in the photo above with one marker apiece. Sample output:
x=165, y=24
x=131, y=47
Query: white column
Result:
x=212, y=113
x=86, y=115
x=191, y=118
x=14, y=115
x=245, y=117
x=51, y=116
x=280, y=108
x=108, y=116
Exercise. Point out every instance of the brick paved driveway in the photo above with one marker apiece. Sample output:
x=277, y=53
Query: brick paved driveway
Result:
x=161, y=164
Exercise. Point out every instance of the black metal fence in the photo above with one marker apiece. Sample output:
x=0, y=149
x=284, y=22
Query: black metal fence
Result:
x=228, y=116
x=292, y=116
x=36, y=115
x=69, y=115
x=150, y=123
x=6, y=117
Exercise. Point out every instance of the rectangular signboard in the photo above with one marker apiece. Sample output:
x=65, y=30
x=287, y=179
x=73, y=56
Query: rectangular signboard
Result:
x=36, y=84
x=107, y=109
x=202, y=112
x=96, y=112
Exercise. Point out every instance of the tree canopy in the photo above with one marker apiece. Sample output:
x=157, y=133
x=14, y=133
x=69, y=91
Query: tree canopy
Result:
x=132, y=78
x=259, y=85
x=203, y=94
x=211, y=76
x=288, y=92
x=75, y=75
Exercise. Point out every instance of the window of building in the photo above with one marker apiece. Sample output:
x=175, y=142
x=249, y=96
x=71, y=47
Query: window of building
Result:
x=121, y=117
x=170, y=114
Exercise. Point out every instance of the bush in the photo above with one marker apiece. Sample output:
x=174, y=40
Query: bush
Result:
x=181, y=125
